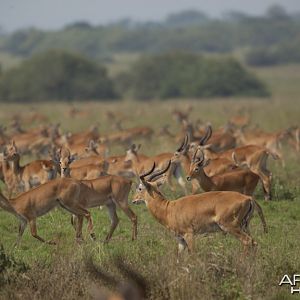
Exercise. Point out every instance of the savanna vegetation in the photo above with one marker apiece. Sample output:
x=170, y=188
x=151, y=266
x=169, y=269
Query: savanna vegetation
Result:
x=176, y=75
x=189, y=54
x=189, y=30
x=56, y=75
x=217, y=269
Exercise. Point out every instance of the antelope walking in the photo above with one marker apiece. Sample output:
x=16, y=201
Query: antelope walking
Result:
x=253, y=156
x=113, y=191
x=197, y=214
x=39, y=201
x=242, y=181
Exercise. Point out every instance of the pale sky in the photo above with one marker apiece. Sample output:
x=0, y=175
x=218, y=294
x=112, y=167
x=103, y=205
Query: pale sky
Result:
x=54, y=14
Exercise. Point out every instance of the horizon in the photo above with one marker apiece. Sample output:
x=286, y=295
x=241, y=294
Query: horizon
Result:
x=45, y=16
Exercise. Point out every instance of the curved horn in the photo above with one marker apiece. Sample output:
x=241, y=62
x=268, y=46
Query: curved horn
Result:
x=160, y=172
x=195, y=155
x=183, y=144
x=142, y=176
x=207, y=136
x=198, y=159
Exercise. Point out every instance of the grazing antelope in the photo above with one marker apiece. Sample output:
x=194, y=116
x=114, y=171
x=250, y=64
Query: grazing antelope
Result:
x=84, y=172
x=197, y=214
x=253, y=156
x=91, y=148
x=74, y=112
x=239, y=120
x=165, y=131
x=26, y=142
x=126, y=136
x=83, y=137
x=180, y=116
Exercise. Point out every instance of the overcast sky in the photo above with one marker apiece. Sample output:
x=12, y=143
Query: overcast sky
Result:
x=53, y=14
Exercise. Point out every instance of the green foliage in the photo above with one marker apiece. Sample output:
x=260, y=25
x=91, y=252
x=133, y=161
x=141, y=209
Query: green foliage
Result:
x=186, y=30
x=186, y=18
x=188, y=75
x=281, y=54
x=56, y=75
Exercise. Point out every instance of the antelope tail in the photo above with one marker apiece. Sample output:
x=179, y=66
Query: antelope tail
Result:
x=259, y=210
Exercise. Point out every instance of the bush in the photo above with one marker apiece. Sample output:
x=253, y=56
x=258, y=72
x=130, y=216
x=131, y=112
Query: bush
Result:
x=188, y=75
x=56, y=75
x=282, y=54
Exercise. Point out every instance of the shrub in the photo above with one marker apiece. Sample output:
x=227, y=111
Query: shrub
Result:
x=189, y=75
x=281, y=54
x=56, y=75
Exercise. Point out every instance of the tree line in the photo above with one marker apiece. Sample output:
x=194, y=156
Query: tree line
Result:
x=191, y=31
x=60, y=75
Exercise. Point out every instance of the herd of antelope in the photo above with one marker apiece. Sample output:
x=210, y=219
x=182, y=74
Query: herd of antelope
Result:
x=76, y=172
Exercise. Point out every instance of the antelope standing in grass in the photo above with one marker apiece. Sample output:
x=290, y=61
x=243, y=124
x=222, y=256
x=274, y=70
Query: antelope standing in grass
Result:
x=197, y=214
x=215, y=167
x=270, y=141
x=85, y=171
x=240, y=180
x=39, y=201
x=113, y=191
x=29, y=175
x=253, y=156
x=74, y=196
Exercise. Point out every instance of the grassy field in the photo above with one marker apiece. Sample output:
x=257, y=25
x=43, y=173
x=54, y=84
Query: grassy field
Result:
x=216, y=270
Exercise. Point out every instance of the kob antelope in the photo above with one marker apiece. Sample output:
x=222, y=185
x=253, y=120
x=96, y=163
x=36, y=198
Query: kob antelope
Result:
x=197, y=214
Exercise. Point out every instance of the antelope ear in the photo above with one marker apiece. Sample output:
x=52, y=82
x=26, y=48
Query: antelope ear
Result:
x=72, y=157
x=209, y=146
x=206, y=162
x=160, y=180
x=45, y=167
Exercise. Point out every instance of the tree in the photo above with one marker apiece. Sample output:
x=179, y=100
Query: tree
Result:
x=176, y=75
x=277, y=12
x=56, y=75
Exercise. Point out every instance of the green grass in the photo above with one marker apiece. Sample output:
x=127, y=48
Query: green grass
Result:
x=215, y=270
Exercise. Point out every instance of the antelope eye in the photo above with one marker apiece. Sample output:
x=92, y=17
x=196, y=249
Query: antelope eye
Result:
x=196, y=169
